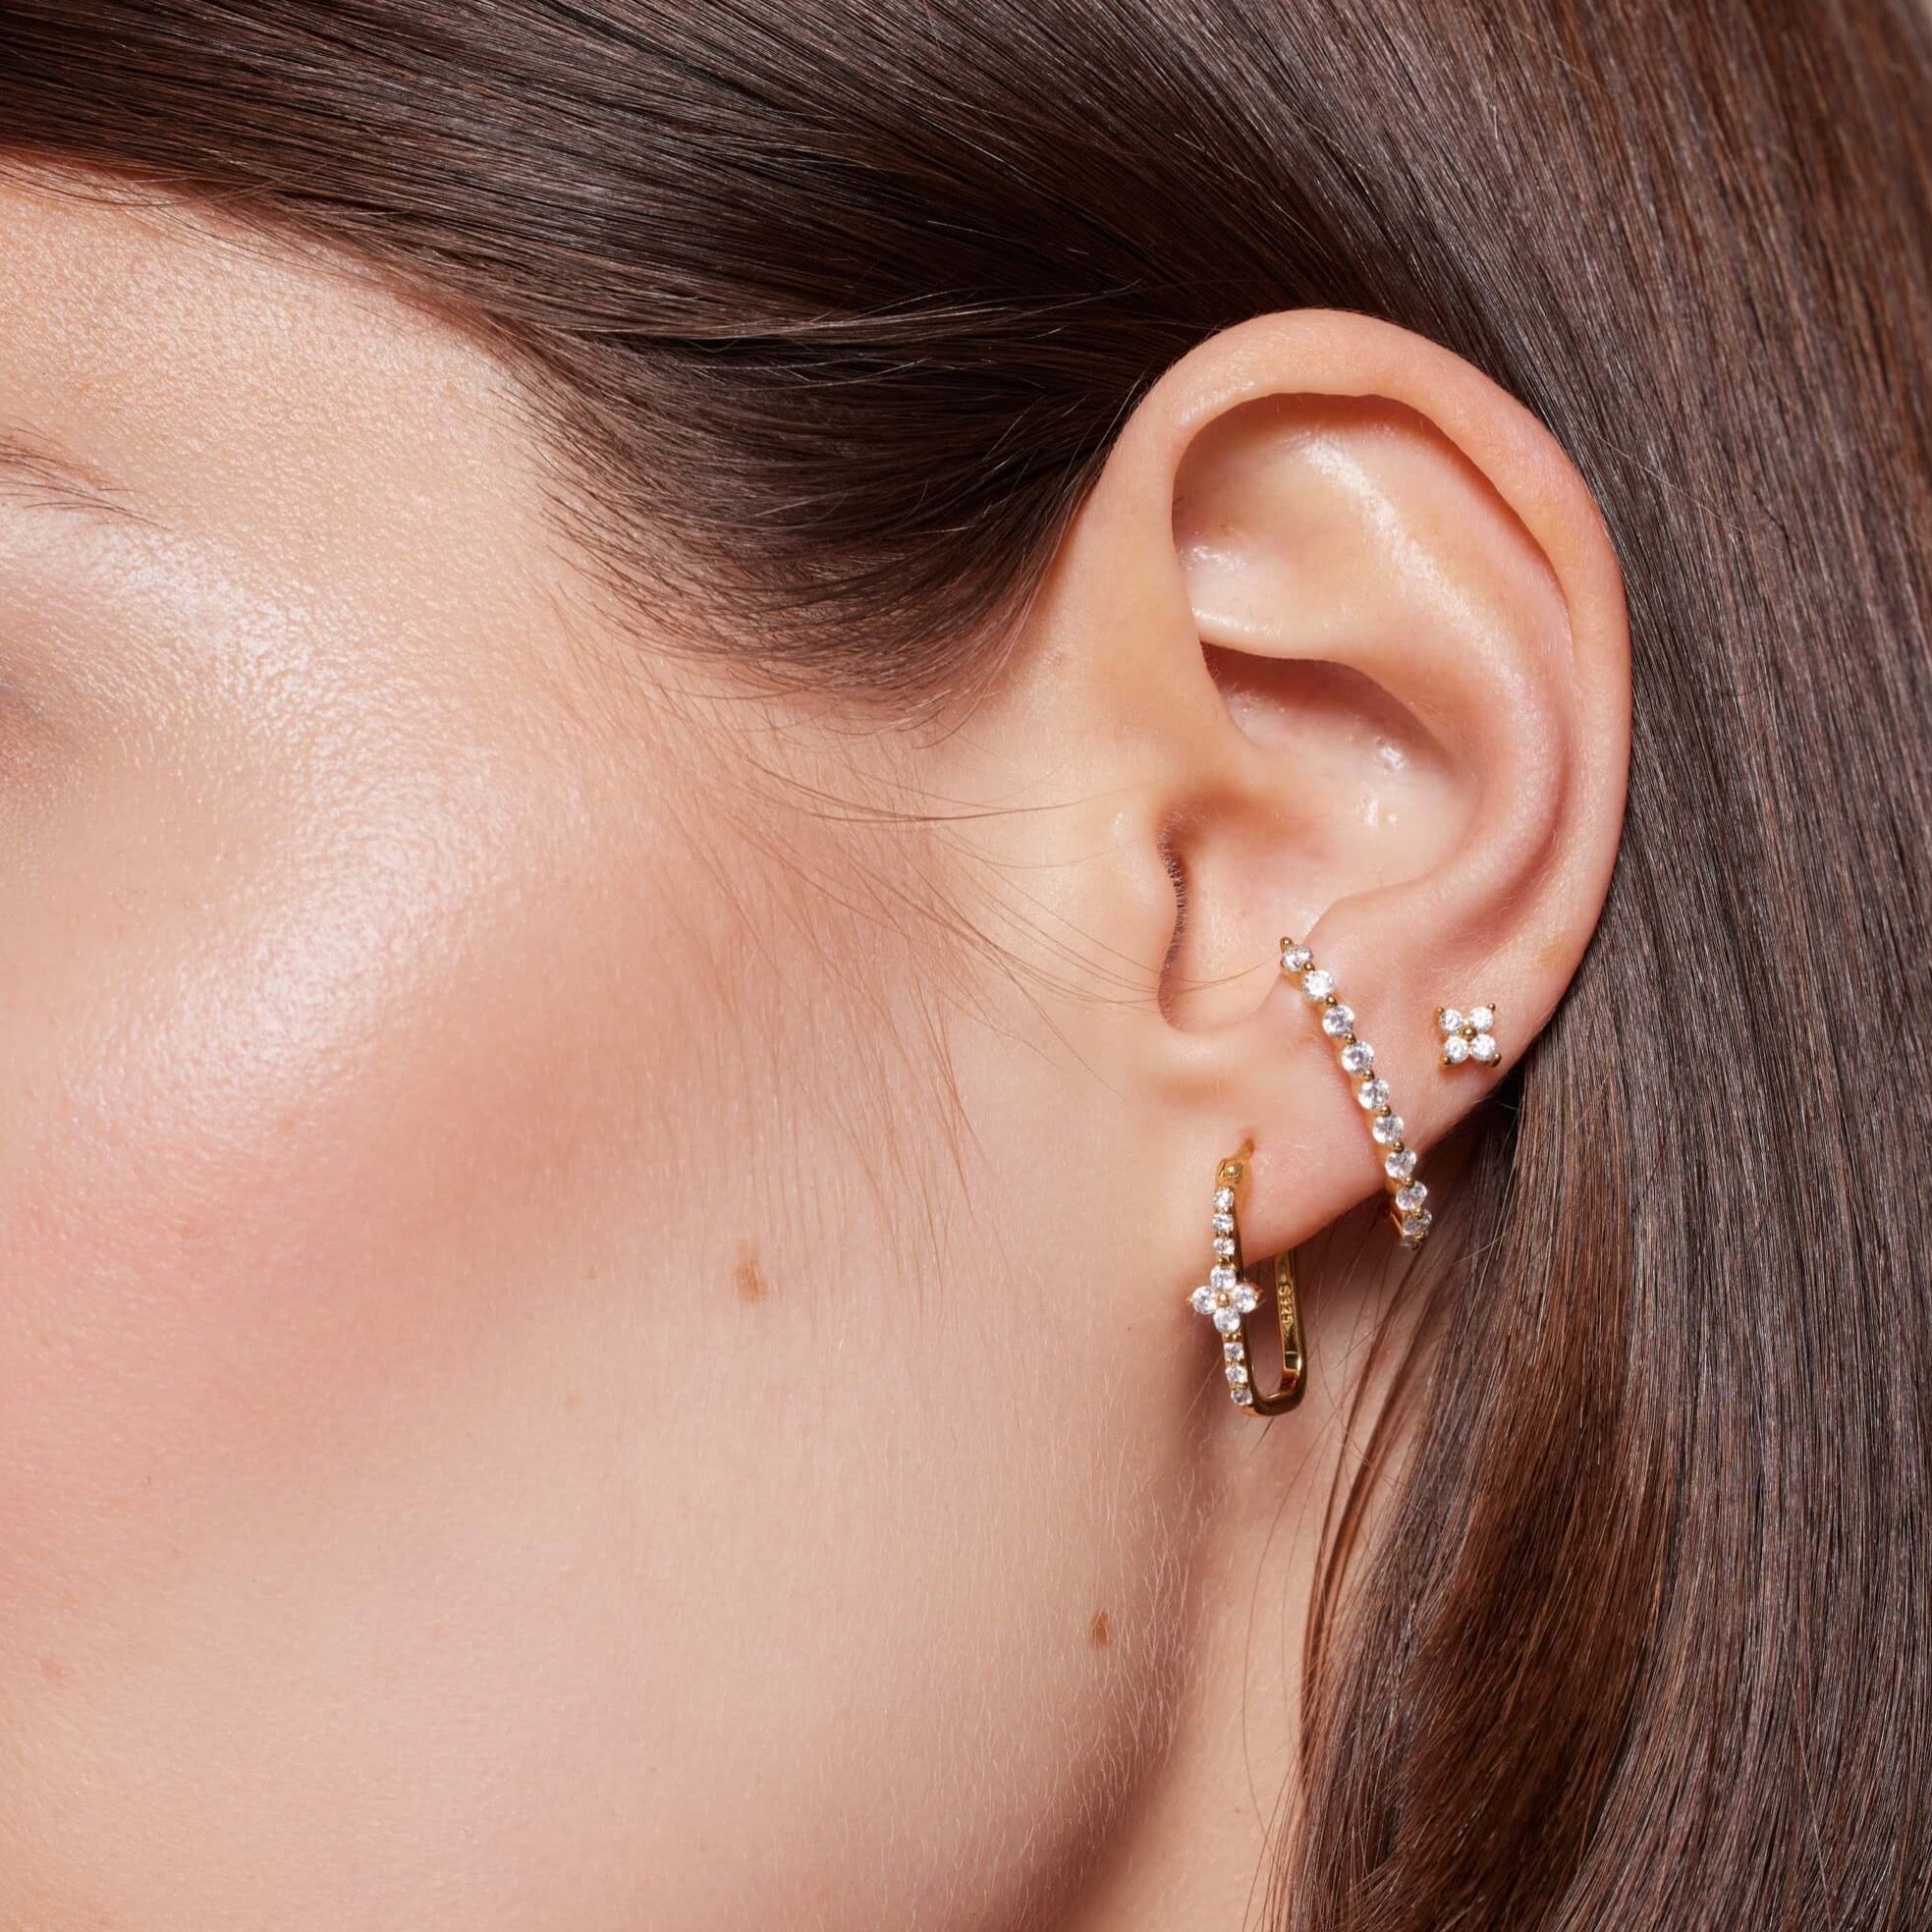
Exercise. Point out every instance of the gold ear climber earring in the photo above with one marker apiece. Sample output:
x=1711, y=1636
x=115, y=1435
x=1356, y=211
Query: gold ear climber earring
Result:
x=1407, y=1194
x=1228, y=1295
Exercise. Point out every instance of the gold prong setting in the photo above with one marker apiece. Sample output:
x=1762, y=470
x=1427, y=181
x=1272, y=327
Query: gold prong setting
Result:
x=1468, y=1037
x=1408, y=1196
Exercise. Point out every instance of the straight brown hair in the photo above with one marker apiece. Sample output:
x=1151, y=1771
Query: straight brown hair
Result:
x=832, y=310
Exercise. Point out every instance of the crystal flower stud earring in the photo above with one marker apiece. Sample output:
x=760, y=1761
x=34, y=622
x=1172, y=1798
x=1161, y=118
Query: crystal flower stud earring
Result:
x=1467, y=1036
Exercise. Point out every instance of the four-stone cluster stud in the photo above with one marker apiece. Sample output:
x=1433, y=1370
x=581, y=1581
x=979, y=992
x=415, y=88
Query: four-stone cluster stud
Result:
x=1467, y=1036
x=1407, y=1194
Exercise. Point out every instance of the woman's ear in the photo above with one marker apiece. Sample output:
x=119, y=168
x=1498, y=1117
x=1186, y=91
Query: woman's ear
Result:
x=1337, y=648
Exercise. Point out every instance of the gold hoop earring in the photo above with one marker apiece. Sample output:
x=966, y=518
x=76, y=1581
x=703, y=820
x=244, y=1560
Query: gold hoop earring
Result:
x=1228, y=1296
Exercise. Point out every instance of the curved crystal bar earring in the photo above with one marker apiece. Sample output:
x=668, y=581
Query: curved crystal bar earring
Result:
x=1228, y=1295
x=1385, y=1126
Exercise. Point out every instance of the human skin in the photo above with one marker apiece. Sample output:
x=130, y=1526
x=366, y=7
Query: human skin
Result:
x=594, y=1256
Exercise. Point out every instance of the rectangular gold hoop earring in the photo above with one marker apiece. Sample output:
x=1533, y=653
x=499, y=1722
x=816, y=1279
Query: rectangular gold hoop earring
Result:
x=1228, y=1295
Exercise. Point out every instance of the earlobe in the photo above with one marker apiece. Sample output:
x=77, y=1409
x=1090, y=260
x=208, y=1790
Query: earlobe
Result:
x=1376, y=639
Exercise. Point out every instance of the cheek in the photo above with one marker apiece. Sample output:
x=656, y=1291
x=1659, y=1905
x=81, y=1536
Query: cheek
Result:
x=306, y=1201
x=280, y=1102
x=464, y=1388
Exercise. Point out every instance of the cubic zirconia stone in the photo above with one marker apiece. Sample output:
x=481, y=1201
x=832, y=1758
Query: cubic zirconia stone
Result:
x=1224, y=1200
x=1296, y=958
x=1484, y=1048
x=1233, y=1352
x=1358, y=1056
x=1237, y=1373
x=1416, y=1226
x=1387, y=1128
x=1318, y=984
x=1449, y=1020
x=1243, y=1395
x=1201, y=1301
x=1224, y=1247
x=1227, y=1321
x=1224, y=1224
x=1221, y=1276
x=1399, y=1165
x=1411, y=1198
x=1337, y=1021
x=1247, y=1301
x=1455, y=1050
x=1482, y=1018
x=1373, y=1094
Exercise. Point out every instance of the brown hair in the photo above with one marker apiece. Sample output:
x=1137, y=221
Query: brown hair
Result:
x=836, y=307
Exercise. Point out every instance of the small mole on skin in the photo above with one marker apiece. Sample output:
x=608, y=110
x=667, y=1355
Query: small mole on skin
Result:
x=53, y=1669
x=750, y=1276
x=1102, y=1632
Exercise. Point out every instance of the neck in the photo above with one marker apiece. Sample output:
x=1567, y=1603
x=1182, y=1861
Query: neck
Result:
x=1199, y=1851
